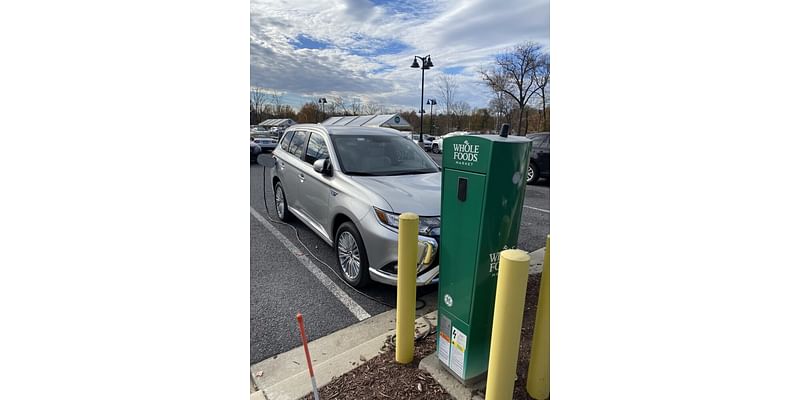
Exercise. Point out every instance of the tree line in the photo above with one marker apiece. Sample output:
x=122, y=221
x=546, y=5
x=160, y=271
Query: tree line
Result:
x=518, y=80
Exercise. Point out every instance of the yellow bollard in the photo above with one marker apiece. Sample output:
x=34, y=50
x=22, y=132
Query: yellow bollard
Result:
x=512, y=280
x=406, y=287
x=538, y=385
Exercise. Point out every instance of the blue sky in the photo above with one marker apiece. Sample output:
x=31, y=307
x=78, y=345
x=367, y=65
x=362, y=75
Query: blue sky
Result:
x=363, y=49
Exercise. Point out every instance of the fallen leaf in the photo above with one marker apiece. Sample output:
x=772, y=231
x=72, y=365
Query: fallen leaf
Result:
x=362, y=358
x=419, y=387
x=259, y=373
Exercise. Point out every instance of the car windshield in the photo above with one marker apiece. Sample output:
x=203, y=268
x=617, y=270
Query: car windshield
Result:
x=381, y=155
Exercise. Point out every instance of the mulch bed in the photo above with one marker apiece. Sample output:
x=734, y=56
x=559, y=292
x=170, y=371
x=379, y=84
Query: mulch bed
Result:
x=383, y=378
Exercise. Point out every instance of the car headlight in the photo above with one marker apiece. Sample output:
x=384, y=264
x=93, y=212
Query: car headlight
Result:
x=427, y=225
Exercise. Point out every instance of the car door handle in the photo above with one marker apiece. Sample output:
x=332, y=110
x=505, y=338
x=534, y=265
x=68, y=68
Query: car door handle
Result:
x=302, y=177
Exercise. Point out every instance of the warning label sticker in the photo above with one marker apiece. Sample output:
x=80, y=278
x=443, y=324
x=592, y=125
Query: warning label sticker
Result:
x=458, y=344
x=444, y=340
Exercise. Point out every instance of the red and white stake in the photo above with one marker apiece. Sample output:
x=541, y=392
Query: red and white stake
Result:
x=308, y=356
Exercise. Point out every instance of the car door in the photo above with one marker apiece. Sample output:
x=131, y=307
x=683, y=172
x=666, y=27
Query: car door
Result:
x=314, y=186
x=545, y=157
x=536, y=150
x=281, y=157
x=293, y=172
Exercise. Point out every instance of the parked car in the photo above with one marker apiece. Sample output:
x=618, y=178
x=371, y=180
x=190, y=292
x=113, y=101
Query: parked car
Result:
x=349, y=185
x=539, y=166
x=268, y=142
x=426, y=144
x=257, y=129
x=255, y=150
x=436, y=146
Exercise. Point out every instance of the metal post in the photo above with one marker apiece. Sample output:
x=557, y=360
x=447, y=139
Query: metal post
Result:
x=308, y=356
x=421, y=100
x=431, y=130
x=406, y=287
x=538, y=385
x=512, y=279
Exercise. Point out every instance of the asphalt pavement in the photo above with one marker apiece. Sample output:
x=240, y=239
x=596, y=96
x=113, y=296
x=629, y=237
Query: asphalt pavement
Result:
x=281, y=284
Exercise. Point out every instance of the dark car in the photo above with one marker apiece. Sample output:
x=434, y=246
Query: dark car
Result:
x=255, y=150
x=539, y=166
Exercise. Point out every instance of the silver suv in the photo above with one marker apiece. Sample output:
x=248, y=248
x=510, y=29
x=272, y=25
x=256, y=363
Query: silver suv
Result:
x=350, y=185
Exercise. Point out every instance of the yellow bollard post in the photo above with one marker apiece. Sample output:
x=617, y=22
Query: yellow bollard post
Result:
x=538, y=385
x=406, y=287
x=512, y=279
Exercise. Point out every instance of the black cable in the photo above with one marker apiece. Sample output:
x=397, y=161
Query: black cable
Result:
x=297, y=235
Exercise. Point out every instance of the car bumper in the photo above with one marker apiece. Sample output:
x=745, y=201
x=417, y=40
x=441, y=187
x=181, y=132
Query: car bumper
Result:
x=381, y=244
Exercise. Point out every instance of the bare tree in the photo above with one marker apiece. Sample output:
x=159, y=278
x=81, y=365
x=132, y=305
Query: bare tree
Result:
x=461, y=110
x=331, y=108
x=338, y=104
x=501, y=106
x=371, y=108
x=541, y=77
x=448, y=85
x=277, y=101
x=309, y=113
x=355, y=106
x=258, y=102
x=512, y=74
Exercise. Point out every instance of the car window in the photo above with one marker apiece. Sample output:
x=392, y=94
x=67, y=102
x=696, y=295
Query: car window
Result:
x=536, y=140
x=285, y=140
x=316, y=148
x=546, y=143
x=381, y=155
x=298, y=145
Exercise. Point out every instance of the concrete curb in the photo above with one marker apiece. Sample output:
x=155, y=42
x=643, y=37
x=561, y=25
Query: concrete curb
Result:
x=285, y=376
x=259, y=395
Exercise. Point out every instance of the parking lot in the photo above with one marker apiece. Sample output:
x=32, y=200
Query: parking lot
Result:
x=285, y=279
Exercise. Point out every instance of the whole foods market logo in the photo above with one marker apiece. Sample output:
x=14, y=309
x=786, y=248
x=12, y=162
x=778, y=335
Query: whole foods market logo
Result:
x=465, y=153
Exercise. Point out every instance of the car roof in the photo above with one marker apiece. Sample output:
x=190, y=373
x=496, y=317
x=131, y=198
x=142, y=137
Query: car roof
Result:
x=348, y=130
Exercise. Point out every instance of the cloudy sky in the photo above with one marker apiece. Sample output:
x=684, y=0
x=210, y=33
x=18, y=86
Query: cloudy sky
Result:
x=364, y=48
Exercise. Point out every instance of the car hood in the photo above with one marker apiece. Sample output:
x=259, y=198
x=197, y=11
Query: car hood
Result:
x=419, y=194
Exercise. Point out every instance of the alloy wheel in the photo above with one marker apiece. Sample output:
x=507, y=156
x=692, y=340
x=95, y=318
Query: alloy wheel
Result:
x=349, y=257
x=279, y=201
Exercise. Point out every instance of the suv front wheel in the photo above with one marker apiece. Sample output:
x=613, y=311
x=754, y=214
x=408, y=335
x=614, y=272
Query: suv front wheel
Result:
x=533, y=173
x=351, y=255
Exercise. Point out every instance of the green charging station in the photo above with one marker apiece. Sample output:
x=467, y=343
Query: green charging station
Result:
x=483, y=189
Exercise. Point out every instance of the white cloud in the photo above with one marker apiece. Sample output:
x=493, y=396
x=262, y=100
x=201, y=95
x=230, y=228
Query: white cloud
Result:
x=345, y=35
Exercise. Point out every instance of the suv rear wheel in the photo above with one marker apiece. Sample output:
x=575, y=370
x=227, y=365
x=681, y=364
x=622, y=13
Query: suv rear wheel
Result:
x=435, y=148
x=351, y=255
x=280, y=203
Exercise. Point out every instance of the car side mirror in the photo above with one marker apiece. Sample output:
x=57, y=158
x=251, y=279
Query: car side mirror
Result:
x=323, y=166
x=266, y=160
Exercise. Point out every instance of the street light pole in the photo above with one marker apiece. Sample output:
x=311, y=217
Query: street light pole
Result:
x=432, y=102
x=322, y=101
x=426, y=64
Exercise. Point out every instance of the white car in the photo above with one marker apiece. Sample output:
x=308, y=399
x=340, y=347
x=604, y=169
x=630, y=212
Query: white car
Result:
x=436, y=146
x=426, y=144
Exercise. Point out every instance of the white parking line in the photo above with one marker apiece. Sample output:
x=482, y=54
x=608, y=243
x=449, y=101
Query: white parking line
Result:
x=348, y=302
x=537, y=209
